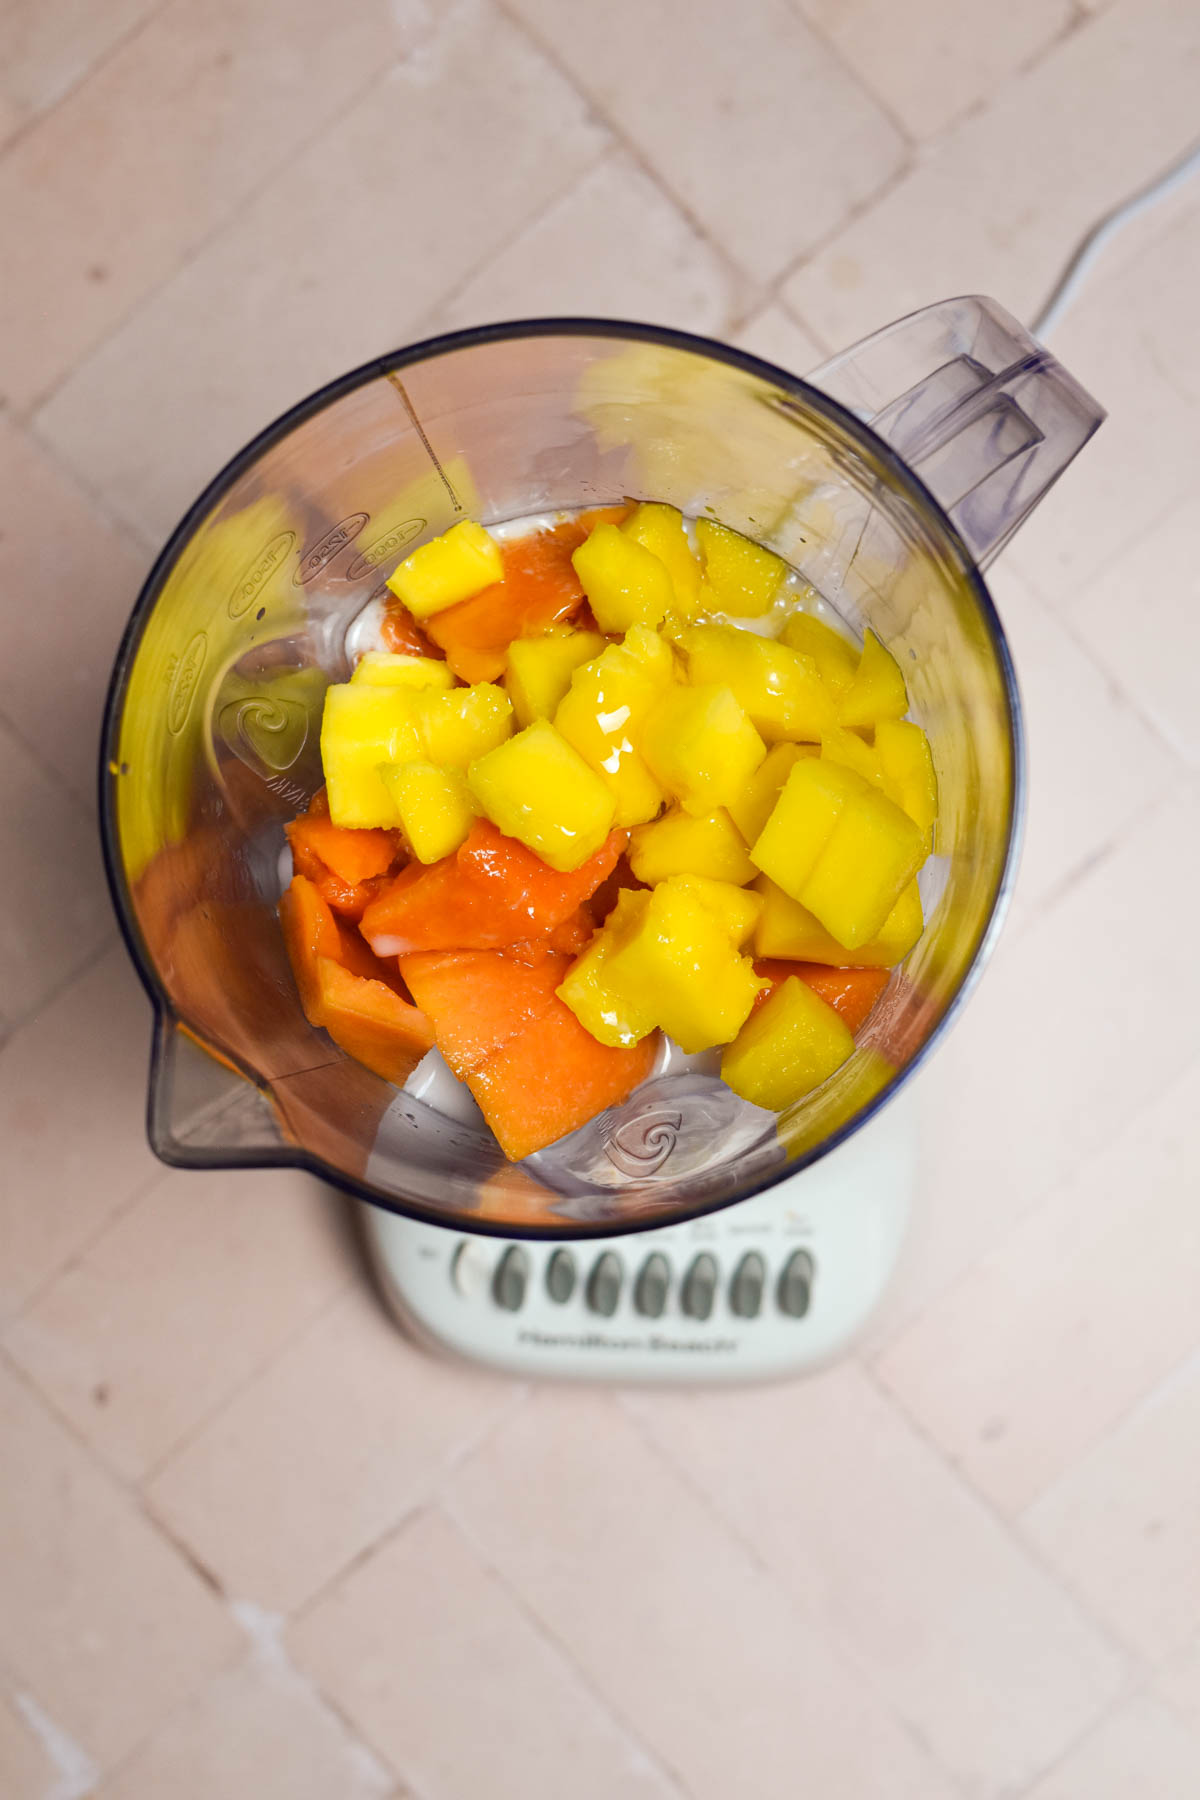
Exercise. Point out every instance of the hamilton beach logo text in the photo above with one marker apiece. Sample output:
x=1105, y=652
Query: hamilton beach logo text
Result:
x=599, y=1340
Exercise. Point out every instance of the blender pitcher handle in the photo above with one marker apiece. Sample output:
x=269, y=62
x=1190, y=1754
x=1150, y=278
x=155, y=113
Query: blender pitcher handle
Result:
x=984, y=415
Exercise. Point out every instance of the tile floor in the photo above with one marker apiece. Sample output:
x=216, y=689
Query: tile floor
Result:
x=252, y=1545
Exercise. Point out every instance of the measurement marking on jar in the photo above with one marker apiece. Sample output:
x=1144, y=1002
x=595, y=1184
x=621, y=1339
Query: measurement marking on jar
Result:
x=255, y=577
x=336, y=539
x=432, y=454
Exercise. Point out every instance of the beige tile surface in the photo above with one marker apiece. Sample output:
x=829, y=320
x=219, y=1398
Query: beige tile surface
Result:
x=103, y=1620
x=885, y=1554
x=309, y=1464
x=72, y=1110
x=734, y=121
x=778, y=335
x=1143, y=1748
x=932, y=61
x=630, y=1570
x=422, y=1632
x=125, y=1342
x=47, y=47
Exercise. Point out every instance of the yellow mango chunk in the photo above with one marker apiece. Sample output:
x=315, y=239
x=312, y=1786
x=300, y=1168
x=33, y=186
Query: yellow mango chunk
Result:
x=700, y=746
x=742, y=577
x=671, y=963
x=625, y=583
x=539, y=670
x=450, y=568
x=680, y=844
x=751, y=809
x=737, y=908
x=362, y=727
x=463, y=723
x=877, y=690
x=612, y=1018
x=537, y=788
x=793, y=1043
x=851, y=752
x=660, y=529
x=785, y=928
x=780, y=690
x=602, y=712
x=904, y=756
x=385, y=668
x=835, y=656
x=840, y=847
x=434, y=807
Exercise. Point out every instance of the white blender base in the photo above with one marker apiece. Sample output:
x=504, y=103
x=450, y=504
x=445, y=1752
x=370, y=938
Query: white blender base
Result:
x=487, y=1300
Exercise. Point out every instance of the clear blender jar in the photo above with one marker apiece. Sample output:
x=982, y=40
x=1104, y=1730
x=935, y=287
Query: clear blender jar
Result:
x=888, y=481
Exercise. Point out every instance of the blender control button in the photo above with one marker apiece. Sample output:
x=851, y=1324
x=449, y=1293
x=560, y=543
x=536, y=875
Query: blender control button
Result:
x=560, y=1276
x=700, y=1287
x=604, y=1285
x=511, y=1278
x=651, y=1287
x=746, y=1288
x=795, y=1284
x=471, y=1269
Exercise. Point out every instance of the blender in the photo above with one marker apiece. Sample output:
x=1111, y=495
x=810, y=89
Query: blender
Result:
x=685, y=1234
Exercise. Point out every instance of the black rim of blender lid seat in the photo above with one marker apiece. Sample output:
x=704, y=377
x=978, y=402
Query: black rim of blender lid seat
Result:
x=379, y=368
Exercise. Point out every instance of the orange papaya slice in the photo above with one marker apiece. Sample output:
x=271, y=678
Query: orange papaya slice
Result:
x=353, y=856
x=370, y=1021
x=477, y=1000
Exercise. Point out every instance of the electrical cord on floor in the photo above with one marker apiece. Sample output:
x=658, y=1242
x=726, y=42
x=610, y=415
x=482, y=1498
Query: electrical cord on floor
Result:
x=1087, y=252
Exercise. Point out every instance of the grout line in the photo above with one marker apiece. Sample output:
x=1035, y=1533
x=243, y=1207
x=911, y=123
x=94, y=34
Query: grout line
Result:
x=865, y=86
x=853, y=213
x=84, y=77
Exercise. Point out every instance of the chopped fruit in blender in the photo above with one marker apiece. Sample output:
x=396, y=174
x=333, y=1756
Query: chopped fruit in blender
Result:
x=434, y=806
x=492, y=892
x=551, y=1079
x=450, y=568
x=839, y=847
x=742, y=578
x=387, y=668
x=877, y=690
x=793, y=1043
x=852, y=993
x=660, y=529
x=679, y=843
x=538, y=670
x=538, y=587
x=785, y=928
x=538, y=789
x=835, y=656
x=701, y=746
x=907, y=763
x=806, y=844
x=779, y=690
x=625, y=583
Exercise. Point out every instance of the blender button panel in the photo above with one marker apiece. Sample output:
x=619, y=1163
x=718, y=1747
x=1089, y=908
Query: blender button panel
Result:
x=560, y=1276
x=700, y=1287
x=652, y=1285
x=511, y=1279
x=746, y=1287
x=604, y=1285
x=794, y=1291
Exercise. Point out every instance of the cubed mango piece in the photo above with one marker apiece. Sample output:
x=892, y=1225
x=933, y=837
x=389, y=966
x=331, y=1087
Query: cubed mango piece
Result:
x=793, y=1043
x=388, y=668
x=463, y=723
x=780, y=690
x=625, y=583
x=840, y=847
x=700, y=746
x=362, y=727
x=836, y=656
x=450, y=568
x=681, y=844
x=852, y=752
x=660, y=529
x=539, y=669
x=787, y=929
x=877, y=690
x=678, y=963
x=751, y=809
x=538, y=789
x=612, y=1017
x=737, y=908
x=742, y=577
x=904, y=756
x=434, y=806
x=602, y=712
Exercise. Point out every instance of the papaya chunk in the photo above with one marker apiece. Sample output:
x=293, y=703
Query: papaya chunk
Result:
x=492, y=892
x=369, y=1021
x=401, y=633
x=539, y=588
x=353, y=855
x=551, y=1078
x=851, y=992
x=309, y=933
x=477, y=1000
